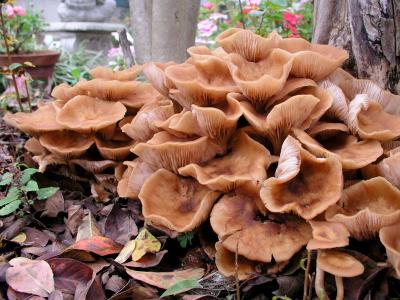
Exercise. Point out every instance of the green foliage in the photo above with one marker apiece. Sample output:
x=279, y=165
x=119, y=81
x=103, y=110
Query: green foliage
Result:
x=74, y=66
x=185, y=239
x=181, y=286
x=22, y=190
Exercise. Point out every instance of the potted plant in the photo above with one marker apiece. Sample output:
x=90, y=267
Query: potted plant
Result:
x=22, y=27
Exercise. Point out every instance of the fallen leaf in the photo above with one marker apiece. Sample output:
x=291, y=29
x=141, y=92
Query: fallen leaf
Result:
x=56, y=295
x=98, y=244
x=120, y=225
x=147, y=261
x=53, y=205
x=165, y=280
x=126, y=252
x=115, y=283
x=133, y=290
x=35, y=237
x=20, y=238
x=145, y=243
x=75, y=217
x=30, y=276
x=180, y=287
x=88, y=228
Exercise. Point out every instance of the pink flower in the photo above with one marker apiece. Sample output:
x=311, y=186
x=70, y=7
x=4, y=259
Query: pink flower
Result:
x=247, y=9
x=10, y=11
x=253, y=3
x=208, y=5
x=113, y=52
x=206, y=27
x=19, y=11
x=218, y=16
x=293, y=19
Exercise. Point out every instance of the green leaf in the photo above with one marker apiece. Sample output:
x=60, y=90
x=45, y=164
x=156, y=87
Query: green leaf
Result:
x=76, y=73
x=185, y=239
x=47, y=192
x=12, y=195
x=10, y=208
x=6, y=179
x=27, y=174
x=31, y=186
x=180, y=287
x=14, y=66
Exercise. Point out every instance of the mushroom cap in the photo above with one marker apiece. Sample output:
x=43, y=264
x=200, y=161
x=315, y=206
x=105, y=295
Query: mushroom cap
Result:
x=179, y=204
x=292, y=85
x=340, y=105
x=65, y=92
x=183, y=124
x=390, y=238
x=33, y=146
x=154, y=72
x=170, y=152
x=234, y=219
x=47, y=159
x=300, y=184
x=86, y=114
x=66, y=144
x=366, y=207
x=109, y=74
x=353, y=154
x=41, y=120
x=247, y=162
x=328, y=235
x=94, y=166
x=204, y=83
x=225, y=262
x=110, y=90
x=142, y=94
x=142, y=127
x=325, y=130
x=387, y=168
x=247, y=44
x=339, y=263
x=313, y=60
x=368, y=119
x=114, y=149
x=203, y=53
x=263, y=79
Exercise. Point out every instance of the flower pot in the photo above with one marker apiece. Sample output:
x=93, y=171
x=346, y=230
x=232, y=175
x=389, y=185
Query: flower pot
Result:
x=43, y=60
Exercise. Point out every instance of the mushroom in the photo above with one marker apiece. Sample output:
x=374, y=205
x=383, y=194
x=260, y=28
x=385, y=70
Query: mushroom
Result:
x=292, y=85
x=390, y=238
x=164, y=150
x=328, y=235
x=114, y=149
x=366, y=207
x=300, y=184
x=33, y=146
x=183, y=124
x=124, y=75
x=340, y=265
x=65, y=92
x=176, y=203
x=86, y=114
x=340, y=105
x=246, y=163
x=154, y=72
x=387, y=168
x=94, y=166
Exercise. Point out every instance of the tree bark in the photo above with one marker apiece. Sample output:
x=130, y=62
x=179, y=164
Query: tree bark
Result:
x=163, y=29
x=369, y=30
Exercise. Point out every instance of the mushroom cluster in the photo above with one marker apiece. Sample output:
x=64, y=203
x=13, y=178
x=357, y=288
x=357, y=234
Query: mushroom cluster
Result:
x=266, y=137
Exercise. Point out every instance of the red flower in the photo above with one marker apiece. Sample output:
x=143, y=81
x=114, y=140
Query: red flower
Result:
x=292, y=19
x=247, y=9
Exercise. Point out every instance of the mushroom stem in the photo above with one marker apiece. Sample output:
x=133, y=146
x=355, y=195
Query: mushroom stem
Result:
x=319, y=282
x=339, y=288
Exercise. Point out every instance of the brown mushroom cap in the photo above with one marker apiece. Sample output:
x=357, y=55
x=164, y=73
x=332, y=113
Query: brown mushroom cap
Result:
x=263, y=79
x=366, y=207
x=328, y=235
x=113, y=149
x=179, y=204
x=47, y=159
x=85, y=114
x=390, y=238
x=247, y=162
x=65, y=92
x=124, y=75
x=94, y=166
x=41, y=120
x=33, y=146
x=183, y=124
x=66, y=144
x=291, y=86
x=353, y=154
x=154, y=72
x=339, y=263
x=300, y=184
x=387, y=168
x=170, y=152
x=233, y=218
x=340, y=105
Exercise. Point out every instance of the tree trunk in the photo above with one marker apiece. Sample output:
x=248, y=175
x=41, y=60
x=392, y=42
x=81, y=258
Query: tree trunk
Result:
x=369, y=30
x=163, y=29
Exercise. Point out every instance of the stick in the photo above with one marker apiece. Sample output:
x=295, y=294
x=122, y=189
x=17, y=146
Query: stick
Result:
x=241, y=14
x=237, y=272
x=125, y=46
x=306, y=275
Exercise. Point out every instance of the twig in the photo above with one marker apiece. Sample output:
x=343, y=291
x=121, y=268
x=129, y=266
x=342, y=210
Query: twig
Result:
x=306, y=275
x=125, y=46
x=27, y=94
x=4, y=31
x=241, y=14
x=237, y=272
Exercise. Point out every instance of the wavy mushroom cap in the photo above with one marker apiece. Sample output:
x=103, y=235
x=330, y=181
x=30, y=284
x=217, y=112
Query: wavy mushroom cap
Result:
x=144, y=93
x=133, y=178
x=33, y=146
x=368, y=119
x=366, y=207
x=154, y=72
x=263, y=79
x=114, y=149
x=340, y=105
x=142, y=127
x=247, y=44
x=328, y=235
x=291, y=86
x=313, y=60
x=199, y=53
x=391, y=147
x=219, y=122
x=390, y=238
x=183, y=124
x=110, y=90
x=234, y=219
x=179, y=204
x=247, y=162
x=66, y=144
x=65, y=92
x=225, y=262
x=204, y=83
x=326, y=130
x=94, y=166
x=339, y=263
x=86, y=114
x=41, y=120
x=170, y=152
x=300, y=184
x=353, y=154
x=109, y=74
x=48, y=159
x=387, y=168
